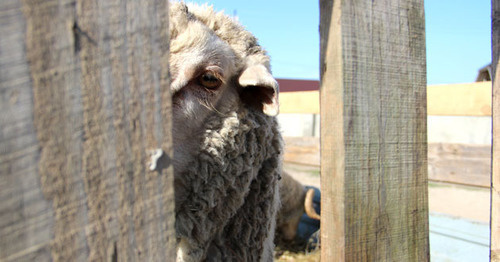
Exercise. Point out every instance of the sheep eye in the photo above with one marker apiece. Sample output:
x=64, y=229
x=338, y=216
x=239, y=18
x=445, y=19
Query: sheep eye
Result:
x=209, y=80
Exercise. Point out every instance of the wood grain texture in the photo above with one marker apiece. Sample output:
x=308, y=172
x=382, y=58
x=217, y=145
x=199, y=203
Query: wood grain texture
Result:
x=460, y=164
x=84, y=97
x=495, y=178
x=302, y=150
x=373, y=132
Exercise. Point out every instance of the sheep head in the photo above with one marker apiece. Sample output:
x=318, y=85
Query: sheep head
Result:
x=227, y=147
x=216, y=66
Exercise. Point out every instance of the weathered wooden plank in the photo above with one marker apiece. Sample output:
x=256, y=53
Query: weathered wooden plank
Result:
x=495, y=177
x=460, y=164
x=448, y=163
x=373, y=132
x=302, y=150
x=84, y=97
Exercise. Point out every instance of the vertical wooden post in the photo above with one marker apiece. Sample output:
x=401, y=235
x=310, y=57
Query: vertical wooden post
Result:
x=495, y=177
x=84, y=98
x=373, y=132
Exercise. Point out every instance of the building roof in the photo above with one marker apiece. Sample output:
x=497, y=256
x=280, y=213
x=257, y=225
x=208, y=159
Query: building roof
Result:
x=293, y=85
x=484, y=74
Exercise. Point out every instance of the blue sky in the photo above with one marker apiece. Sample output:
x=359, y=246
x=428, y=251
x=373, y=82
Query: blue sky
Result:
x=458, y=36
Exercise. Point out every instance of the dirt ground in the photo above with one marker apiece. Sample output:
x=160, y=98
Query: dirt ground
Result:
x=472, y=203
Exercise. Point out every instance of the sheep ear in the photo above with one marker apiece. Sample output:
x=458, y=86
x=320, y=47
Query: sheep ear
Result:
x=260, y=89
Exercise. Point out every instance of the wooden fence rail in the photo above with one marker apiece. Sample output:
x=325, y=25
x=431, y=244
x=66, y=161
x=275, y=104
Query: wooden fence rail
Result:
x=85, y=101
x=84, y=98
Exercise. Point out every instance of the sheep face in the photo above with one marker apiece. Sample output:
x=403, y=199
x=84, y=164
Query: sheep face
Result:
x=227, y=146
x=216, y=67
x=202, y=71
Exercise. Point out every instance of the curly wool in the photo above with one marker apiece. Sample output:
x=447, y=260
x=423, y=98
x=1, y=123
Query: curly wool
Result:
x=226, y=173
x=292, y=197
x=243, y=43
x=232, y=189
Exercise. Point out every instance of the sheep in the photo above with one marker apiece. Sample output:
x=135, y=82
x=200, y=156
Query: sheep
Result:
x=226, y=139
x=296, y=200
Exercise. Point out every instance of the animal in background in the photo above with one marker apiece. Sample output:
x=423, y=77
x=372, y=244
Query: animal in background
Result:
x=297, y=207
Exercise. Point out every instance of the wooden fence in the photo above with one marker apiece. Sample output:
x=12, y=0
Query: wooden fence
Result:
x=373, y=132
x=459, y=131
x=85, y=101
x=84, y=98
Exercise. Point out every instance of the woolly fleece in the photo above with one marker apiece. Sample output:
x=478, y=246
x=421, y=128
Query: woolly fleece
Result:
x=227, y=194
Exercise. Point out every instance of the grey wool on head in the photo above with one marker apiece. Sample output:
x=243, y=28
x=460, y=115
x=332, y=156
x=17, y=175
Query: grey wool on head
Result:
x=227, y=144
